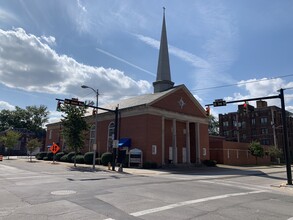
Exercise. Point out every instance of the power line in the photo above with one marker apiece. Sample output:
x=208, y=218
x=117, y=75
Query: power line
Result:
x=243, y=83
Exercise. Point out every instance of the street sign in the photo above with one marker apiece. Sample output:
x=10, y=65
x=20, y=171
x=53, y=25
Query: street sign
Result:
x=73, y=101
x=54, y=148
x=115, y=143
x=219, y=102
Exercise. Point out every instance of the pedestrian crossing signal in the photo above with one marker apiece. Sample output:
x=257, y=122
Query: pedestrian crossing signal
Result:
x=208, y=111
x=59, y=106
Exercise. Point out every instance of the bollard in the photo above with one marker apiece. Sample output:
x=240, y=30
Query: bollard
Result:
x=109, y=166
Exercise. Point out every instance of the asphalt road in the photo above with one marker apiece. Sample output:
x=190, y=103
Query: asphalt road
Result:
x=42, y=190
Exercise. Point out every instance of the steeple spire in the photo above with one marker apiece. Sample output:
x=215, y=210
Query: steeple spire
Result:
x=163, y=81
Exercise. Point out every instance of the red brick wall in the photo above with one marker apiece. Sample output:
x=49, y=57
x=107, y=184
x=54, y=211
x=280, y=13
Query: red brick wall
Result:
x=234, y=153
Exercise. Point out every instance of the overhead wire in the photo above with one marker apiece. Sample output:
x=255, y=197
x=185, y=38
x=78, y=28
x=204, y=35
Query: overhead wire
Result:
x=241, y=83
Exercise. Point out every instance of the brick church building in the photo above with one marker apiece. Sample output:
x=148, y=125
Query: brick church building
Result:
x=168, y=126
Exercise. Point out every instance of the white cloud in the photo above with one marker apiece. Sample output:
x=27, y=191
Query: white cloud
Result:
x=263, y=88
x=81, y=6
x=6, y=16
x=28, y=64
x=6, y=105
x=54, y=116
x=50, y=40
x=190, y=58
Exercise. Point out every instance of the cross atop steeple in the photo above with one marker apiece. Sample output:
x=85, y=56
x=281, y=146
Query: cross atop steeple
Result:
x=163, y=81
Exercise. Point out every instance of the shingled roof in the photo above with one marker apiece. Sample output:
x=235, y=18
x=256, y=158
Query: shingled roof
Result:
x=138, y=100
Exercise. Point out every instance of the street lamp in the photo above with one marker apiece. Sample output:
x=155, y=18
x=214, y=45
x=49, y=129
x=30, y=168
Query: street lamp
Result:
x=96, y=124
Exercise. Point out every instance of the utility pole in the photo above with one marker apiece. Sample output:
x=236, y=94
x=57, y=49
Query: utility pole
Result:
x=96, y=126
x=286, y=147
x=116, y=139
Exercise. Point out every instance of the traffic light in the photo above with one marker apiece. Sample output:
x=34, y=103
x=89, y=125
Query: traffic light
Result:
x=58, y=106
x=245, y=106
x=207, y=110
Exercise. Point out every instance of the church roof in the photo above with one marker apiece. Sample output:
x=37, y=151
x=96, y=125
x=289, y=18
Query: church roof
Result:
x=138, y=100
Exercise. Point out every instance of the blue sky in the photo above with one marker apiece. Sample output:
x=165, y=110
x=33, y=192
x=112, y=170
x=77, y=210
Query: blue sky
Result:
x=48, y=49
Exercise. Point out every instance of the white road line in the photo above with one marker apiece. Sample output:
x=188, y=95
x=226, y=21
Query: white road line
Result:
x=179, y=204
x=25, y=177
x=236, y=184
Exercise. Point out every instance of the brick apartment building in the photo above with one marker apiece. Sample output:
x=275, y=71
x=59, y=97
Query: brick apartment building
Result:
x=263, y=124
x=168, y=126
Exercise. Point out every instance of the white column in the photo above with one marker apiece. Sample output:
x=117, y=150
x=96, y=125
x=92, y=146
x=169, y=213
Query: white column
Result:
x=187, y=143
x=197, y=143
x=174, y=142
x=163, y=140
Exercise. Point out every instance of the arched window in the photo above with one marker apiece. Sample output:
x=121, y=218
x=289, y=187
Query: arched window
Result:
x=92, y=137
x=111, y=129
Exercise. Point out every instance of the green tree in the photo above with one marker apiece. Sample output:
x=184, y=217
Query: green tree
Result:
x=74, y=126
x=213, y=125
x=256, y=150
x=275, y=153
x=32, y=145
x=31, y=118
x=10, y=139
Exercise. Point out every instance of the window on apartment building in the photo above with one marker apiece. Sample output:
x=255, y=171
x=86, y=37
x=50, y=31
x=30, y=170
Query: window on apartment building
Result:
x=111, y=129
x=235, y=123
x=50, y=134
x=239, y=124
x=244, y=136
x=225, y=123
x=265, y=141
x=263, y=120
x=253, y=132
x=264, y=131
x=243, y=124
x=253, y=121
x=226, y=133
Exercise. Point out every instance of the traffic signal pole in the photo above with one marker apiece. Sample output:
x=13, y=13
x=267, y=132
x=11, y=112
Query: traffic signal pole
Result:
x=220, y=102
x=286, y=147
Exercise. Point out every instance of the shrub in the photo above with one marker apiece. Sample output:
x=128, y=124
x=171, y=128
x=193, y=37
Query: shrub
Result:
x=88, y=157
x=59, y=155
x=150, y=165
x=50, y=156
x=41, y=155
x=69, y=156
x=79, y=159
x=64, y=158
x=106, y=158
x=209, y=163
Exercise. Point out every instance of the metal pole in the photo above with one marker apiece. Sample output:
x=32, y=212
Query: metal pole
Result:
x=286, y=148
x=115, y=138
x=96, y=124
x=96, y=131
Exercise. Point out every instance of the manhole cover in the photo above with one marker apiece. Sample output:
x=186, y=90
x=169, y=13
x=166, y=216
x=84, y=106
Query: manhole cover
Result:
x=63, y=192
